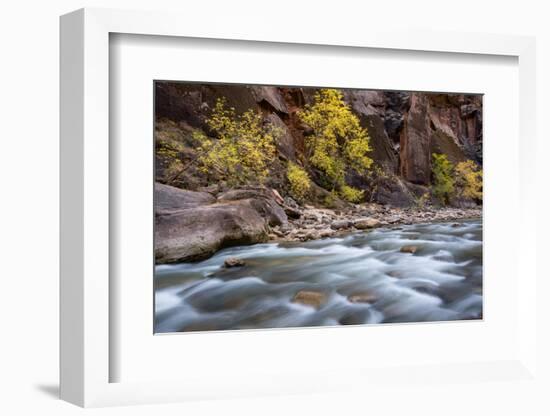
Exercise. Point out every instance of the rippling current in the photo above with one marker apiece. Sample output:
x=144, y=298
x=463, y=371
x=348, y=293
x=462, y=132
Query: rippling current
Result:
x=441, y=281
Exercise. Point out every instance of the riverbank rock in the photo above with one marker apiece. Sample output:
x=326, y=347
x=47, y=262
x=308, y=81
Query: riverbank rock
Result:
x=170, y=198
x=311, y=298
x=292, y=212
x=264, y=201
x=340, y=224
x=197, y=233
x=366, y=223
x=191, y=226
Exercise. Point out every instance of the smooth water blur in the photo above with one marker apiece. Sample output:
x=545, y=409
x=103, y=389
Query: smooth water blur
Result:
x=442, y=280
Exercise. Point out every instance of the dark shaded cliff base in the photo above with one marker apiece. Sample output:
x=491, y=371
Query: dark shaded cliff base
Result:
x=192, y=226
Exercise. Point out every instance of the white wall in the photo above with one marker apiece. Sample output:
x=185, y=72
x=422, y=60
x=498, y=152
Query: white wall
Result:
x=29, y=205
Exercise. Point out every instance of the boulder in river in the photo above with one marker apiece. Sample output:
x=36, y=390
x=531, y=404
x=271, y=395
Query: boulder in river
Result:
x=409, y=249
x=311, y=298
x=233, y=262
x=362, y=297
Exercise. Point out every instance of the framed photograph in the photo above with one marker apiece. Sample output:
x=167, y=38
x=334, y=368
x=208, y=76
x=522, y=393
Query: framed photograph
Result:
x=247, y=215
x=281, y=207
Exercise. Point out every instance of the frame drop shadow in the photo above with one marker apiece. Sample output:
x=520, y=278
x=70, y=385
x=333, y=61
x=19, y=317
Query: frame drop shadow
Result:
x=51, y=390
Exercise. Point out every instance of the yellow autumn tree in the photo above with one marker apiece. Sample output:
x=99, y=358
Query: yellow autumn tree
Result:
x=469, y=178
x=243, y=149
x=338, y=141
x=298, y=178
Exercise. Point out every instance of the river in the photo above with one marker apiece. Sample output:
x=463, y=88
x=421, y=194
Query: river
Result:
x=364, y=278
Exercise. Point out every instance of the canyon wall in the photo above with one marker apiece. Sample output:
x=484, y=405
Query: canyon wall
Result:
x=405, y=128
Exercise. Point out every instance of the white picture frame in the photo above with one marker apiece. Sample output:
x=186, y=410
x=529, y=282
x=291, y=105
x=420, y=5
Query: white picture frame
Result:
x=86, y=355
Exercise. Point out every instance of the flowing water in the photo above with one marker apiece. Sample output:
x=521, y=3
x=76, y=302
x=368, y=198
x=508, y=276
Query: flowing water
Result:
x=363, y=277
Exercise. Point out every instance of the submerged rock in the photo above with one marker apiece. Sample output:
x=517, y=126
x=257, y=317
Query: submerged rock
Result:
x=409, y=249
x=363, y=297
x=311, y=298
x=358, y=317
x=233, y=262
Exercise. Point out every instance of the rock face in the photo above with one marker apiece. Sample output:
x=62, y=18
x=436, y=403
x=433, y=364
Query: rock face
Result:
x=192, y=226
x=191, y=103
x=270, y=96
x=371, y=108
x=397, y=104
x=382, y=148
x=285, y=144
x=415, y=142
x=439, y=123
x=454, y=124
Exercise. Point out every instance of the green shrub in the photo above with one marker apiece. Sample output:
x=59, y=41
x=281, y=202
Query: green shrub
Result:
x=443, y=180
x=300, y=183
